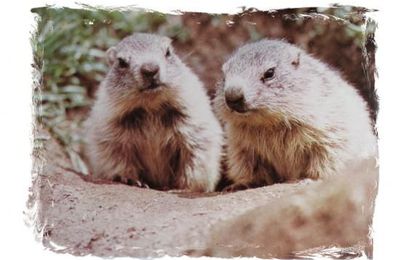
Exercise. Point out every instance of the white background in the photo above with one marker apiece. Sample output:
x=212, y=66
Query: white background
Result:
x=17, y=22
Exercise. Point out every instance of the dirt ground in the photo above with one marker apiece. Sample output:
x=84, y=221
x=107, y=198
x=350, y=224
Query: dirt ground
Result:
x=80, y=217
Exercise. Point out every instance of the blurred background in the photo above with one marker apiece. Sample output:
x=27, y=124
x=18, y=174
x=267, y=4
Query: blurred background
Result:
x=69, y=47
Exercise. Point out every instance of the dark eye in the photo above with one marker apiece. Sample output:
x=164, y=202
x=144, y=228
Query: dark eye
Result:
x=122, y=63
x=268, y=74
x=168, y=53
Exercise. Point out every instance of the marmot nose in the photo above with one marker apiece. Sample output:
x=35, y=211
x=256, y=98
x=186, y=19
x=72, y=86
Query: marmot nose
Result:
x=149, y=70
x=235, y=100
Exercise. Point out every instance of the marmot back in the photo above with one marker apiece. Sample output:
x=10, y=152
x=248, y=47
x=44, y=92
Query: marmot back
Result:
x=152, y=122
x=289, y=116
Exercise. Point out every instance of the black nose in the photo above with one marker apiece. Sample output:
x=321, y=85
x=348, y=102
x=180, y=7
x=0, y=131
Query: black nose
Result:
x=235, y=100
x=149, y=70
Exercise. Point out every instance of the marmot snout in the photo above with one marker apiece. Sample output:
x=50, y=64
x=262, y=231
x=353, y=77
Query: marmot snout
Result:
x=289, y=116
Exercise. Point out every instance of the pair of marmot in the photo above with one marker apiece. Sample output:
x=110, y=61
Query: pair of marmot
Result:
x=286, y=116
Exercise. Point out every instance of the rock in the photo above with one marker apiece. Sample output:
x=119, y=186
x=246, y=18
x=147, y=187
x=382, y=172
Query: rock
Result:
x=330, y=217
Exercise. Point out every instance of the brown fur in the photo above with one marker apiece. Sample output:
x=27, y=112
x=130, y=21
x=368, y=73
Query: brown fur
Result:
x=165, y=137
x=303, y=146
x=149, y=130
x=302, y=120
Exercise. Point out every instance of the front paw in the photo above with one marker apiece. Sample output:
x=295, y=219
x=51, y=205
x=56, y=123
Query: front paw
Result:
x=236, y=187
x=130, y=181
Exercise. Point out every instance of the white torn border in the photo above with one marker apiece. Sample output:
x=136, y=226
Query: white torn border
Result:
x=15, y=111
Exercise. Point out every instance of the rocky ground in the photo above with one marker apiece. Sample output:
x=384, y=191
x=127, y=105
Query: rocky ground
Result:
x=80, y=217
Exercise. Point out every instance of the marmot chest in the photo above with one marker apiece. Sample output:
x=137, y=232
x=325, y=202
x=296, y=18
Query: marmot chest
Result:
x=289, y=152
x=161, y=151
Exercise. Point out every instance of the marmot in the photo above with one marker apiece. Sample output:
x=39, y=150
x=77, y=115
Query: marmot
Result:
x=152, y=122
x=289, y=116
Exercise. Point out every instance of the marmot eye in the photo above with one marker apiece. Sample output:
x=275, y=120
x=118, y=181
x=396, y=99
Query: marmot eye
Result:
x=122, y=63
x=168, y=53
x=268, y=74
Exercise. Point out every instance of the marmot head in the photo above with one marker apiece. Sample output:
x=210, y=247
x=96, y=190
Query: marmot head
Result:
x=143, y=65
x=268, y=80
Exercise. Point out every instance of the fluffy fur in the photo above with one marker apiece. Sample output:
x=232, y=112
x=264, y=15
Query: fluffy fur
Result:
x=305, y=121
x=167, y=137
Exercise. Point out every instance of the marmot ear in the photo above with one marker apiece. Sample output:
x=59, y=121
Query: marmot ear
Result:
x=111, y=55
x=296, y=61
